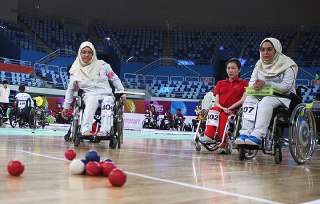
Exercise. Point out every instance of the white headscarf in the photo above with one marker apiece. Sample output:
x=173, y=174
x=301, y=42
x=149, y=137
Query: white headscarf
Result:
x=278, y=64
x=85, y=71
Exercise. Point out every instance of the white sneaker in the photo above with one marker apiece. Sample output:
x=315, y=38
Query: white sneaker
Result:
x=206, y=139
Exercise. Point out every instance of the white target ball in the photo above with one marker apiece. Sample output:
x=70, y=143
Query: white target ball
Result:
x=77, y=167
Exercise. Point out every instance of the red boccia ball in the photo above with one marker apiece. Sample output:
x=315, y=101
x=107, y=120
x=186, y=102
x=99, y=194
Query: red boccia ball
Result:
x=93, y=168
x=70, y=154
x=117, y=177
x=15, y=168
x=107, y=168
x=101, y=162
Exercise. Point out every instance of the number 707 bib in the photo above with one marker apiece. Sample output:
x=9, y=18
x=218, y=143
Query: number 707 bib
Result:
x=249, y=110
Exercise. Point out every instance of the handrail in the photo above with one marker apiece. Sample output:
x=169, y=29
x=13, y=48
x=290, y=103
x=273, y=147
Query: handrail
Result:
x=158, y=63
x=57, y=53
x=15, y=61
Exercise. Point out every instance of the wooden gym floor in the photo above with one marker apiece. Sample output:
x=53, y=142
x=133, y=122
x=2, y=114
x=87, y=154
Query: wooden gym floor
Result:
x=158, y=170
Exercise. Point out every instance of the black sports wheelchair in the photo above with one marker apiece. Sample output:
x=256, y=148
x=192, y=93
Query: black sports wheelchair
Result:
x=301, y=138
x=23, y=115
x=116, y=134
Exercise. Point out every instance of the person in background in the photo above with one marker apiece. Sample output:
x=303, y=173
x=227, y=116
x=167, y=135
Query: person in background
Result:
x=198, y=108
x=179, y=119
x=229, y=96
x=23, y=103
x=208, y=99
x=4, y=96
x=41, y=102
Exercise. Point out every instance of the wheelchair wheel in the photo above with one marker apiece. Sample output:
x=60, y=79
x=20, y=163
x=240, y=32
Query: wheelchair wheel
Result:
x=250, y=153
x=278, y=155
x=33, y=119
x=13, y=119
x=120, y=132
x=41, y=118
x=113, y=142
x=76, y=140
x=302, y=134
x=197, y=144
x=241, y=154
x=246, y=154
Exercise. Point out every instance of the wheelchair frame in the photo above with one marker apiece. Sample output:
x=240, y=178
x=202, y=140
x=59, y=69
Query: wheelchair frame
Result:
x=116, y=133
x=232, y=119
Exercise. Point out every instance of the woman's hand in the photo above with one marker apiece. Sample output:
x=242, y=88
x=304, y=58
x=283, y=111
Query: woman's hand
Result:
x=64, y=113
x=226, y=110
x=258, y=84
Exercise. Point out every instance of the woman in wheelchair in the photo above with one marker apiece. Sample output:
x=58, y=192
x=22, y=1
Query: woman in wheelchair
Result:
x=22, y=107
x=229, y=95
x=276, y=70
x=92, y=76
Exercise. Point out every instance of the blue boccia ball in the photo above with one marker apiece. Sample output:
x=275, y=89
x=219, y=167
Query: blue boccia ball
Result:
x=108, y=160
x=92, y=155
x=84, y=161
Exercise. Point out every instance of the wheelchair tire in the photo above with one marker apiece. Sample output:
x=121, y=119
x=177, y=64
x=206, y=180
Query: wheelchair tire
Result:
x=76, y=140
x=241, y=154
x=12, y=119
x=278, y=155
x=197, y=144
x=302, y=134
x=120, y=132
x=250, y=153
x=113, y=142
x=33, y=119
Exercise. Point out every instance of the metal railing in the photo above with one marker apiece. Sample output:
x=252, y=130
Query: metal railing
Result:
x=55, y=54
x=158, y=63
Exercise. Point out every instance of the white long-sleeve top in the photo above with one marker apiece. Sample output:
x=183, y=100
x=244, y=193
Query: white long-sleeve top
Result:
x=286, y=81
x=4, y=94
x=98, y=86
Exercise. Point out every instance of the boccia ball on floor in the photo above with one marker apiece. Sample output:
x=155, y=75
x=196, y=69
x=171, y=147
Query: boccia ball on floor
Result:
x=92, y=155
x=108, y=160
x=70, y=154
x=77, y=167
x=15, y=168
x=107, y=168
x=117, y=177
x=93, y=168
x=84, y=161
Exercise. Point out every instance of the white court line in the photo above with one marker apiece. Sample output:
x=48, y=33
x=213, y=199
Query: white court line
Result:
x=169, y=181
x=42, y=155
x=313, y=202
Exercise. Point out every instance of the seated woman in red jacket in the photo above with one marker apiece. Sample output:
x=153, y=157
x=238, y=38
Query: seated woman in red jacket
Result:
x=229, y=95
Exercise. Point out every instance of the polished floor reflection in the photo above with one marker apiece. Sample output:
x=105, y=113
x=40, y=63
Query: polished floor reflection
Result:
x=159, y=171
